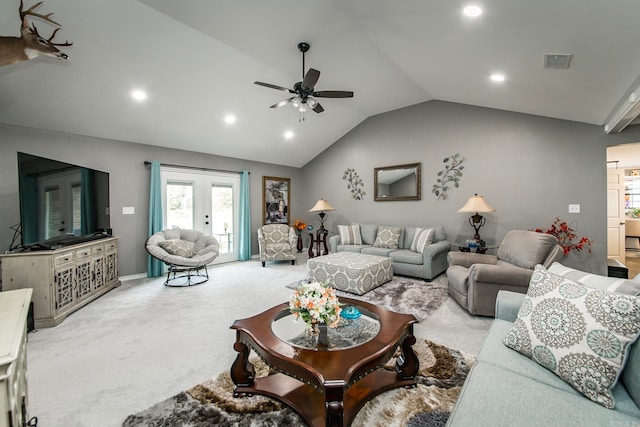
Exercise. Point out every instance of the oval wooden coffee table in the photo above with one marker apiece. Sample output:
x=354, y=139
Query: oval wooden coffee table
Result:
x=326, y=383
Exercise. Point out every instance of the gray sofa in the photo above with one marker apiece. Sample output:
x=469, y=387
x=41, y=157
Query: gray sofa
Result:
x=426, y=265
x=505, y=388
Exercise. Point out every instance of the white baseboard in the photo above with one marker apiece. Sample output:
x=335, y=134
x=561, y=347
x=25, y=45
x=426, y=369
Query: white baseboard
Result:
x=137, y=276
x=133, y=277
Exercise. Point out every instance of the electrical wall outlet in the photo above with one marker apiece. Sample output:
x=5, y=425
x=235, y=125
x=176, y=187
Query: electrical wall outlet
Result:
x=574, y=208
x=128, y=210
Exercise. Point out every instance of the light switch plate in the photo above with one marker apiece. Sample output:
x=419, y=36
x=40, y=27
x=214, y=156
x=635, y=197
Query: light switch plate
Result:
x=128, y=210
x=574, y=208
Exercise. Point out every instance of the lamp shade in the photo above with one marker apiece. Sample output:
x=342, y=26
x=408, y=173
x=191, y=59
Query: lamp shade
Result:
x=476, y=204
x=321, y=206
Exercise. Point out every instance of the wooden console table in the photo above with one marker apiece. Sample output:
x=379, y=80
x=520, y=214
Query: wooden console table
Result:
x=64, y=279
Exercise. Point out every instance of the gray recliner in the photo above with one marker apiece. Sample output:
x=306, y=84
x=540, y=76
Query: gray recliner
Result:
x=185, y=252
x=475, y=279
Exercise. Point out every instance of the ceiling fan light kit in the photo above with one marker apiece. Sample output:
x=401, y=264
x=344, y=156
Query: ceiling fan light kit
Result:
x=304, y=90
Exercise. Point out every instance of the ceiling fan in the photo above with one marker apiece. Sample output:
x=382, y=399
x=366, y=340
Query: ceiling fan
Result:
x=304, y=91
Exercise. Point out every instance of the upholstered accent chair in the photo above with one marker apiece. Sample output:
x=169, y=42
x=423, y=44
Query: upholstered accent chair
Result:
x=185, y=252
x=632, y=232
x=277, y=242
x=475, y=279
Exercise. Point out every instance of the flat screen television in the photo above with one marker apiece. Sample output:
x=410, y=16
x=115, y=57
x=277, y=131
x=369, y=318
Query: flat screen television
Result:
x=61, y=203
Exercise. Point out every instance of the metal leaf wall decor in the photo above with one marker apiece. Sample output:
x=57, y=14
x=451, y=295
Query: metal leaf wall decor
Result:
x=354, y=183
x=450, y=175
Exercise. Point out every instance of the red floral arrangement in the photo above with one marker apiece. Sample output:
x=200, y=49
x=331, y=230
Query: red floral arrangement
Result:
x=566, y=236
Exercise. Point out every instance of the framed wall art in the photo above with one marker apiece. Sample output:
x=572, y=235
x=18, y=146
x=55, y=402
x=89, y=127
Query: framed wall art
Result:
x=275, y=200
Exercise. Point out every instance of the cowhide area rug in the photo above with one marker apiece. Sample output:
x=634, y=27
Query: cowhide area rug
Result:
x=211, y=403
x=403, y=295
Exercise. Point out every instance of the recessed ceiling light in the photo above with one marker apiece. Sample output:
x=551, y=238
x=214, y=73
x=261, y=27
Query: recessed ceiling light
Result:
x=139, y=95
x=497, y=77
x=288, y=134
x=472, y=11
x=230, y=119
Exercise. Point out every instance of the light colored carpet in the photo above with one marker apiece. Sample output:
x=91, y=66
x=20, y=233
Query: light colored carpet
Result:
x=441, y=375
x=141, y=343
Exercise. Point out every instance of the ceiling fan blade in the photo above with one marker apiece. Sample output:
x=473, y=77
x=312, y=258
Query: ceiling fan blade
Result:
x=318, y=108
x=311, y=78
x=269, y=85
x=333, y=94
x=282, y=103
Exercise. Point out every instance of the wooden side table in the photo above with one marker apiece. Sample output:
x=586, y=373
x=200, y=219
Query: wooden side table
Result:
x=478, y=249
x=320, y=243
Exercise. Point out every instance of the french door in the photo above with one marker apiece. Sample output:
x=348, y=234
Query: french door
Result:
x=206, y=201
x=60, y=194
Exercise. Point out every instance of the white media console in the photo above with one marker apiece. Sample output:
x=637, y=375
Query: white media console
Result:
x=63, y=279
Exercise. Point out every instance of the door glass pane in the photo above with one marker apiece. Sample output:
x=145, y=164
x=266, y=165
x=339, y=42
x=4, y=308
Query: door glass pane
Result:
x=222, y=216
x=180, y=205
x=76, y=198
x=53, y=214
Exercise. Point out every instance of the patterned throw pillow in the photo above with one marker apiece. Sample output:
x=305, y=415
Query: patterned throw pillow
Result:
x=350, y=235
x=581, y=334
x=177, y=247
x=422, y=238
x=387, y=237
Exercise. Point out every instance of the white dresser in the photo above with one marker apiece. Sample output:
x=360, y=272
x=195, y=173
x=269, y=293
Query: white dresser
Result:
x=14, y=306
x=63, y=280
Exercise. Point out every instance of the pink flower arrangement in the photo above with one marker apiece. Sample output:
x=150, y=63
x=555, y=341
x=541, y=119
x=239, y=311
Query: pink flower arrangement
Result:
x=315, y=303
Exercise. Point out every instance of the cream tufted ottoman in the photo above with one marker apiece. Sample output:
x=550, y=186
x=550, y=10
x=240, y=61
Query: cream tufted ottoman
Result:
x=351, y=272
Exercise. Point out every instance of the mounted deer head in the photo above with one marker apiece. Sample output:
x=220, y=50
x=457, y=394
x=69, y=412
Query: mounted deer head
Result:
x=30, y=44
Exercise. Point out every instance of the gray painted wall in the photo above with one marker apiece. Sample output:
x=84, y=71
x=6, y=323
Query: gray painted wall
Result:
x=129, y=181
x=528, y=168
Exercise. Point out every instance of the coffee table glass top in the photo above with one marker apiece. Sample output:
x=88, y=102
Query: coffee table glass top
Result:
x=351, y=332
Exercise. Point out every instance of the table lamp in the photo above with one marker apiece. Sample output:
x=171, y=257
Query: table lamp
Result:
x=321, y=206
x=476, y=204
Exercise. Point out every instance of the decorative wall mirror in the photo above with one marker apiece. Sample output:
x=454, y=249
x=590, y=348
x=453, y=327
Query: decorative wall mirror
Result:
x=400, y=182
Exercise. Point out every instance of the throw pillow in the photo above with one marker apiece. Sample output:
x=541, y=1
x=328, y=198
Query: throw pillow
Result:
x=177, y=247
x=387, y=237
x=583, y=335
x=350, y=235
x=422, y=238
x=613, y=284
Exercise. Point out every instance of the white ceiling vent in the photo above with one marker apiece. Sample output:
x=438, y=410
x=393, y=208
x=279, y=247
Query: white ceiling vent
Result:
x=557, y=61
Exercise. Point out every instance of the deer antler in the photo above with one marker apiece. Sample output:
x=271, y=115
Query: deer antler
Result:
x=30, y=12
x=66, y=43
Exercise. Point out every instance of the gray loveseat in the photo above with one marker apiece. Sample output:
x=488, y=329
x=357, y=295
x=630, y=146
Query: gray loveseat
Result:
x=505, y=388
x=426, y=265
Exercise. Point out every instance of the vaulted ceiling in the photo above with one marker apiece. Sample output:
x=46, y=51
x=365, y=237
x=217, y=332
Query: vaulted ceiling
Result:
x=197, y=61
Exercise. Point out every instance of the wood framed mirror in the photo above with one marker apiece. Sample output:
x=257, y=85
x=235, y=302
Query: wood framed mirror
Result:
x=400, y=182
